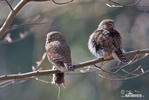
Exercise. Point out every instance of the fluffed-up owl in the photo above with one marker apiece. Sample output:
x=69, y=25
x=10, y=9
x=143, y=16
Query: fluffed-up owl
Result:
x=106, y=41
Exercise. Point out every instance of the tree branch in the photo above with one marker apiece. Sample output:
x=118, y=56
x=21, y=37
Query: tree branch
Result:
x=15, y=10
x=76, y=66
x=11, y=17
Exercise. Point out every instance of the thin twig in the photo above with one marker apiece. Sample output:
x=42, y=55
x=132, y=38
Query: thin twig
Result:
x=60, y=3
x=40, y=62
x=111, y=73
x=125, y=5
x=22, y=25
x=118, y=67
x=128, y=73
x=43, y=81
x=9, y=5
x=134, y=60
x=132, y=72
x=126, y=78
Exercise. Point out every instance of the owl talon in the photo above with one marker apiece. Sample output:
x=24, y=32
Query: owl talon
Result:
x=70, y=68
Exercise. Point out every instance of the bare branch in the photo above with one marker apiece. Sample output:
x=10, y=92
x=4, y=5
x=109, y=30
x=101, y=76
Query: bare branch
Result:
x=25, y=24
x=111, y=73
x=123, y=5
x=11, y=17
x=14, y=12
x=62, y=2
x=76, y=66
x=134, y=60
x=126, y=78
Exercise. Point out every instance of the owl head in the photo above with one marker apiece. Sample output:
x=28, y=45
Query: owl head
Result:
x=54, y=36
x=106, y=24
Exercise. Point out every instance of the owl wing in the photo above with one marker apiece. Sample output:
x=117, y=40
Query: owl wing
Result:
x=110, y=43
x=118, y=53
x=115, y=35
x=103, y=41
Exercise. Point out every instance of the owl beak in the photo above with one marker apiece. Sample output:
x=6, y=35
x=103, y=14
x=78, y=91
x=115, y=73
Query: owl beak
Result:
x=49, y=40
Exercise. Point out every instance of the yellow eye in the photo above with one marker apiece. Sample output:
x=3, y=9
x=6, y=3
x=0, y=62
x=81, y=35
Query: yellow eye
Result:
x=110, y=24
x=52, y=36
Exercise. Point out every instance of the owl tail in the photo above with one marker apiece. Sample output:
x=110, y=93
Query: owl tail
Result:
x=119, y=55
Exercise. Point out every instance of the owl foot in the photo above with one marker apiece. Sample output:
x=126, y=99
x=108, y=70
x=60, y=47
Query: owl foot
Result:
x=70, y=68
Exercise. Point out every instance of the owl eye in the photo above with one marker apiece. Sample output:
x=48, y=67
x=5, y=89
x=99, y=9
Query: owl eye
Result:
x=51, y=36
x=110, y=24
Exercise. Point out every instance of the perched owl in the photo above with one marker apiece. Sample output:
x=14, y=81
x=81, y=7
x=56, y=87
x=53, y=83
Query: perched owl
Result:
x=59, y=55
x=106, y=41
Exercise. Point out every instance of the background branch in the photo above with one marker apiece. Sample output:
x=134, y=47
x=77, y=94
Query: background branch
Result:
x=76, y=66
x=125, y=5
x=9, y=5
x=11, y=17
x=15, y=10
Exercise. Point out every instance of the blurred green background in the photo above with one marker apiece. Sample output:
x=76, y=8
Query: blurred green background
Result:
x=76, y=21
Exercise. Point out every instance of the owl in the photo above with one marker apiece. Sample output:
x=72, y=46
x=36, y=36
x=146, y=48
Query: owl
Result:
x=106, y=42
x=59, y=54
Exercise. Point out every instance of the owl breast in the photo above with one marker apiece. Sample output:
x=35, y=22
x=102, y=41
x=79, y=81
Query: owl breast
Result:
x=58, y=53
